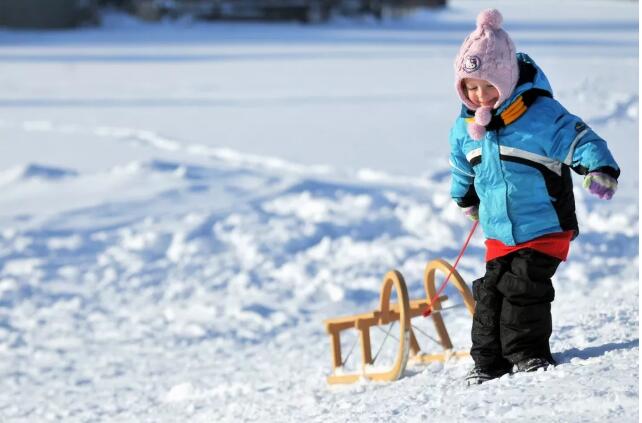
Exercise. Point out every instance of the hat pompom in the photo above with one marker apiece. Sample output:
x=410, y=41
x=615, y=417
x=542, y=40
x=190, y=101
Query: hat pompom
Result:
x=476, y=131
x=483, y=116
x=490, y=18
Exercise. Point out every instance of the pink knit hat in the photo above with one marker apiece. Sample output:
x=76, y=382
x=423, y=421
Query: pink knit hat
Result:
x=487, y=53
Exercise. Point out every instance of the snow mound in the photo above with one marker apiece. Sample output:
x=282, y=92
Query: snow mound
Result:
x=33, y=171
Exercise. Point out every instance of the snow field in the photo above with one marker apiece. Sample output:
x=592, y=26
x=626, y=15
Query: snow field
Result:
x=179, y=217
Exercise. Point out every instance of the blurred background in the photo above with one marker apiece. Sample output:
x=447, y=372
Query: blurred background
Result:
x=348, y=83
x=70, y=13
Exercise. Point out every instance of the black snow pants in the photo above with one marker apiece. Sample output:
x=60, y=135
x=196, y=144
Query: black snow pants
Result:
x=512, y=319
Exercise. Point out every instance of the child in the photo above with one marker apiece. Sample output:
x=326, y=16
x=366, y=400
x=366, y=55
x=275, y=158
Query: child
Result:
x=512, y=149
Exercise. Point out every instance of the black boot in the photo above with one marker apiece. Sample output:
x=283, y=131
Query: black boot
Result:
x=478, y=375
x=532, y=364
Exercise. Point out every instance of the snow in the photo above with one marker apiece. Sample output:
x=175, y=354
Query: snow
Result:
x=184, y=203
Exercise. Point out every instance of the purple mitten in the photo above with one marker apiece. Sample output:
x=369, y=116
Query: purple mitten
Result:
x=471, y=212
x=600, y=184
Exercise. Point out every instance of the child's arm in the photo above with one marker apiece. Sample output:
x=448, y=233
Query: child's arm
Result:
x=578, y=146
x=462, y=188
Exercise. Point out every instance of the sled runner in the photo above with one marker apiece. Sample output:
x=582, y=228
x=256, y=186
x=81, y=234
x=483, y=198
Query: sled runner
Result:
x=402, y=311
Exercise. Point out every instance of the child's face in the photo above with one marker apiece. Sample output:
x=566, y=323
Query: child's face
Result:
x=480, y=92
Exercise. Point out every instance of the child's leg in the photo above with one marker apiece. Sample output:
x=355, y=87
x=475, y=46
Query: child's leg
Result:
x=487, y=350
x=526, y=323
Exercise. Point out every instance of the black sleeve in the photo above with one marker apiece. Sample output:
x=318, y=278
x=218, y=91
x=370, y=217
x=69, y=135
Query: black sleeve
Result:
x=470, y=199
x=608, y=170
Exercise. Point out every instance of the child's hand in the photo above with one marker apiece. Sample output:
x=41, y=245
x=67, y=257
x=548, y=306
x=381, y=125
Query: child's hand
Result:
x=600, y=184
x=471, y=212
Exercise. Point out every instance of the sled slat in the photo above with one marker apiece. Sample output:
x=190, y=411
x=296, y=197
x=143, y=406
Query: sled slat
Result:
x=439, y=357
x=336, y=350
x=364, y=334
x=346, y=322
x=417, y=307
x=340, y=379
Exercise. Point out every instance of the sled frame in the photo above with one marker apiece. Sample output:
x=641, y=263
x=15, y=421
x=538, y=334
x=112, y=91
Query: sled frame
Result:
x=402, y=311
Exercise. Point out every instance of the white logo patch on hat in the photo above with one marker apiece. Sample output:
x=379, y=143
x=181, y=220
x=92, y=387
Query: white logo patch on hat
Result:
x=471, y=64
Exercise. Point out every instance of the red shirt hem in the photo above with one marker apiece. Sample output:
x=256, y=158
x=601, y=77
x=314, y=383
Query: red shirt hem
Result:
x=556, y=245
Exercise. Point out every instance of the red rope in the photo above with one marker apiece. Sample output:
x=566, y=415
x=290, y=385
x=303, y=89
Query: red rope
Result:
x=428, y=311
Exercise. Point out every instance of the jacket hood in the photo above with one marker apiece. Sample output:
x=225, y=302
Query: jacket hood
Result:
x=531, y=76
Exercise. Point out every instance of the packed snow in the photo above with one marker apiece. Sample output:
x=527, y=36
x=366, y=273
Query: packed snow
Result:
x=184, y=203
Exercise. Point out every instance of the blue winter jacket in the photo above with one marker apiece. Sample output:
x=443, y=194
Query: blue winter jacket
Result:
x=519, y=173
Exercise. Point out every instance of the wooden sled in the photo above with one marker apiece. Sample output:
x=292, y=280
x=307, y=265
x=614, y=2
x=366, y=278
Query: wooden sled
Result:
x=402, y=311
